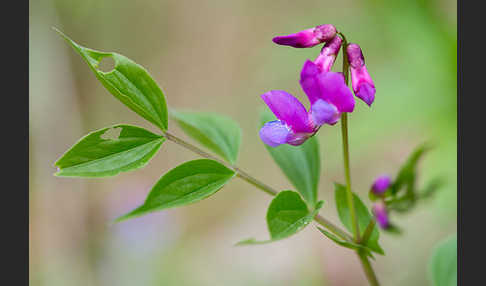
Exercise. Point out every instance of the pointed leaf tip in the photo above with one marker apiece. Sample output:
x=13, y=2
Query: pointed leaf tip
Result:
x=129, y=82
x=187, y=183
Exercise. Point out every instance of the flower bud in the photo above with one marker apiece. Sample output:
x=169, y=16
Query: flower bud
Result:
x=381, y=215
x=307, y=38
x=363, y=85
x=328, y=54
x=381, y=184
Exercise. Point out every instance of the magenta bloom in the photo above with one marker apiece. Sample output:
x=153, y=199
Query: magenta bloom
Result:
x=328, y=54
x=362, y=83
x=329, y=97
x=308, y=38
x=381, y=215
x=326, y=91
x=381, y=184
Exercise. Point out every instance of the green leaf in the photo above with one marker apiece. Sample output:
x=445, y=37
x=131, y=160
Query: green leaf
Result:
x=363, y=216
x=347, y=244
x=393, y=229
x=128, y=82
x=442, y=268
x=431, y=189
x=286, y=215
x=301, y=164
x=186, y=184
x=218, y=133
x=109, y=151
x=406, y=174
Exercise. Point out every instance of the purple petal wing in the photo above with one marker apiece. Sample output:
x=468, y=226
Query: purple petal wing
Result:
x=288, y=109
x=324, y=112
x=275, y=133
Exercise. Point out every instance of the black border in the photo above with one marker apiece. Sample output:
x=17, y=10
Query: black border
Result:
x=471, y=144
x=15, y=153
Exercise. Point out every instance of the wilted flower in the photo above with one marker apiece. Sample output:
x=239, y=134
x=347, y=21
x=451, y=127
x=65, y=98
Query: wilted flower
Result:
x=308, y=38
x=381, y=184
x=381, y=215
x=362, y=83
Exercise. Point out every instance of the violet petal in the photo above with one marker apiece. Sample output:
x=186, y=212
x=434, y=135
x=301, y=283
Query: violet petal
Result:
x=335, y=91
x=323, y=112
x=288, y=109
x=274, y=133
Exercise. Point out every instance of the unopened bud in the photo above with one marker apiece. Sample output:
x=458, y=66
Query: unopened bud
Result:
x=381, y=184
x=328, y=54
x=307, y=38
x=363, y=85
x=381, y=215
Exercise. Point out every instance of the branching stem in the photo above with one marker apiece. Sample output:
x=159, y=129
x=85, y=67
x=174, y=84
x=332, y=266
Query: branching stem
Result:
x=368, y=269
x=255, y=182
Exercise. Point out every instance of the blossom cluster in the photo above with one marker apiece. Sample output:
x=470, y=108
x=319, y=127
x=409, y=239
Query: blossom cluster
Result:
x=327, y=91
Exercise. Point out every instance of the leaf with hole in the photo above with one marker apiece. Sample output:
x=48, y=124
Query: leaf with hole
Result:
x=217, y=132
x=301, y=164
x=286, y=215
x=129, y=82
x=109, y=151
x=363, y=215
x=442, y=268
x=185, y=184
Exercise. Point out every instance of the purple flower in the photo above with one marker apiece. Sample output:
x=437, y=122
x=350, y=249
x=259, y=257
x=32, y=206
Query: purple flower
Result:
x=362, y=83
x=328, y=54
x=308, y=38
x=329, y=97
x=381, y=184
x=381, y=215
x=325, y=89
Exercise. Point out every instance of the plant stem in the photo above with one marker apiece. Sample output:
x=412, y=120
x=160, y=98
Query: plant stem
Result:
x=368, y=269
x=344, y=132
x=347, y=174
x=260, y=185
x=367, y=232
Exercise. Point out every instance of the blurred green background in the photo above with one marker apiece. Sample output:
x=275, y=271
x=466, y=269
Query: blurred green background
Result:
x=218, y=56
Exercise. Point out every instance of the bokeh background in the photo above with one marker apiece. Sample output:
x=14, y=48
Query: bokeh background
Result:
x=218, y=56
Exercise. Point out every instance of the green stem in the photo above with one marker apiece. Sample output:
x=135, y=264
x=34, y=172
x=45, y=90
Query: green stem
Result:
x=368, y=269
x=367, y=232
x=260, y=185
x=344, y=131
x=347, y=174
